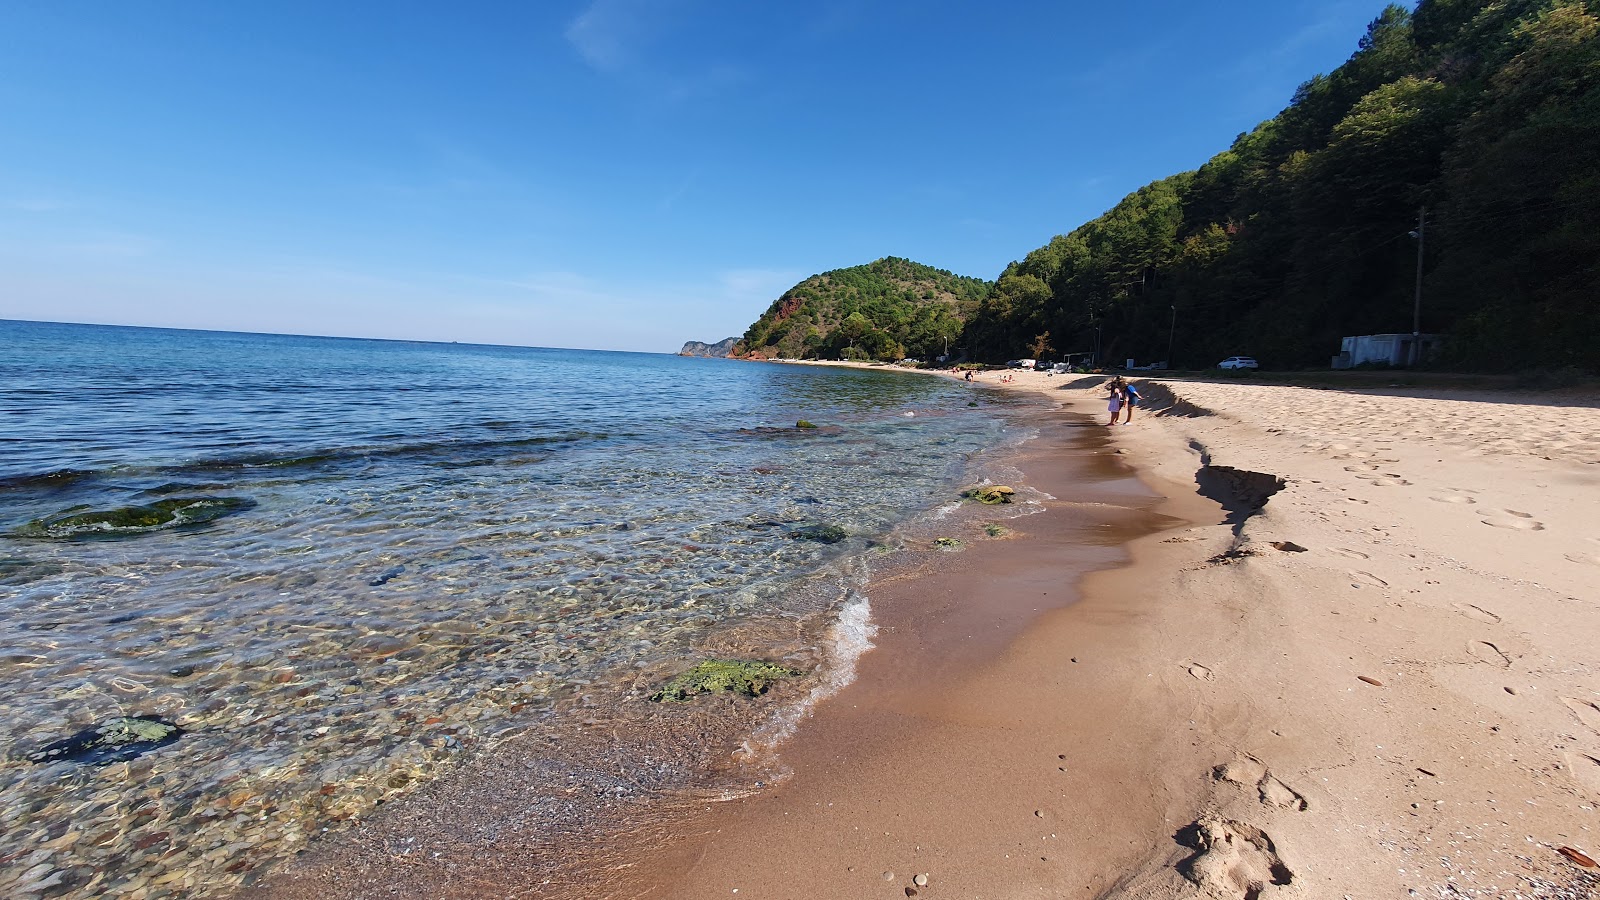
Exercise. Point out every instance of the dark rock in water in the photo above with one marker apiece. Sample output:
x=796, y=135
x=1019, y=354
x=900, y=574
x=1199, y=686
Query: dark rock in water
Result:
x=182, y=487
x=118, y=740
x=85, y=523
x=743, y=676
x=822, y=534
x=808, y=429
x=719, y=350
x=47, y=480
x=21, y=570
x=387, y=576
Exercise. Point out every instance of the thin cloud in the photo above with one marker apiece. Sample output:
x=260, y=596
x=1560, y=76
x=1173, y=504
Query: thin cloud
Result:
x=608, y=33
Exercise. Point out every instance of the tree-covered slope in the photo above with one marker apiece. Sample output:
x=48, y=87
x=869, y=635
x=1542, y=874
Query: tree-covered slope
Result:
x=1486, y=112
x=888, y=309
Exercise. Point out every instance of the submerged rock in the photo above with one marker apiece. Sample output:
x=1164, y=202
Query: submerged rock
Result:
x=747, y=677
x=84, y=522
x=118, y=740
x=21, y=570
x=804, y=424
x=822, y=534
x=989, y=493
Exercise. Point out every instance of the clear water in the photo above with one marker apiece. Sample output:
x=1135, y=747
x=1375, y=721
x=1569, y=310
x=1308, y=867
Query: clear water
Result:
x=443, y=538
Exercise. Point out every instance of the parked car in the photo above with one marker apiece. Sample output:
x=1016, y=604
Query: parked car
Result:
x=1239, y=362
x=1021, y=363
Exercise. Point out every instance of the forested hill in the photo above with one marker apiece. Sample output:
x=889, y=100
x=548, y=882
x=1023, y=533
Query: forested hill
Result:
x=1487, y=113
x=888, y=309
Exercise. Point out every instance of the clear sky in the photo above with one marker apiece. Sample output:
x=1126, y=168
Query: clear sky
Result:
x=614, y=174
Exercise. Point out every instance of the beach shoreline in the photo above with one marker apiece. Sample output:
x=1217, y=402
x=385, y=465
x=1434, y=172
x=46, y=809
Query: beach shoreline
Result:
x=1316, y=671
x=1362, y=670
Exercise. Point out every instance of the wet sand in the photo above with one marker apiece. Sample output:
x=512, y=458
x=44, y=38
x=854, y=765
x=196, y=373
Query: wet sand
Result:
x=997, y=740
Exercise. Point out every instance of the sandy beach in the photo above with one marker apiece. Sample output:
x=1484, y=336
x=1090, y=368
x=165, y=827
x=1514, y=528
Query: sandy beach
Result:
x=1365, y=670
x=1263, y=642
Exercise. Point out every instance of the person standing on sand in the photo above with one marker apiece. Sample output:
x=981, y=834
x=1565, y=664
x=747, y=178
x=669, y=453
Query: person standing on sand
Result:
x=1132, y=399
x=1114, y=402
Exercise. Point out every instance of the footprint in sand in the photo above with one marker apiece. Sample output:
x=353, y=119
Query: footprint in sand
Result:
x=1587, y=711
x=1592, y=559
x=1353, y=554
x=1354, y=500
x=1476, y=613
x=1520, y=515
x=1200, y=672
x=1247, y=771
x=1485, y=652
x=1232, y=859
x=1275, y=793
x=1585, y=768
x=1369, y=578
x=1453, y=498
x=1361, y=468
x=1386, y=480
x=1517, y=522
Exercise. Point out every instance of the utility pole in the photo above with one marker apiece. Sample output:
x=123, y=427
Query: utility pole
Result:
x=1416, y=308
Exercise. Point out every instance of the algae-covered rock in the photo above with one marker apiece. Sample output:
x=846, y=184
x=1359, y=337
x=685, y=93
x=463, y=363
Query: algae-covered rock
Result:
x=747, y=677
x=118, y=740
x=84, y=522
x=989, y=493
x=822, y=534
x=995, y=530
x=804, y=424
x=946, y=543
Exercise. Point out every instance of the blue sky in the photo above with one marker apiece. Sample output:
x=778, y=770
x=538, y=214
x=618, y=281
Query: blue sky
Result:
x=614, y=174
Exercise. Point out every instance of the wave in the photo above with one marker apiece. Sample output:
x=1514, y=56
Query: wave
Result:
x=849, y=638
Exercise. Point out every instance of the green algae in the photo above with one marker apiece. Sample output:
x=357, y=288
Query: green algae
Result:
x=993, y=530
x=946, y=543
x=87, y=523
x=822, y=534
x=804, y=424
x=118, y=740
x=741, y=676
x=990, y=494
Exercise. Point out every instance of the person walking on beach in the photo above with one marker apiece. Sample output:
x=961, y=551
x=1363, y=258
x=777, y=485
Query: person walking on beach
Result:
x=1131, y=395
x=1114, y=401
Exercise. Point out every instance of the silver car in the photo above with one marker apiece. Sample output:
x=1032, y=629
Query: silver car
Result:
x=1239, y=362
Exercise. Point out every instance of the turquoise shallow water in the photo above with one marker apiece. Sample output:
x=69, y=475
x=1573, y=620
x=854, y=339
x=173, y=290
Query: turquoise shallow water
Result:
x=462, y=529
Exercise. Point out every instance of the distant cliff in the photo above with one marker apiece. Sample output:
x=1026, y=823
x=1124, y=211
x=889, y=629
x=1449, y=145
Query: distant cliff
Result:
x=718, y=350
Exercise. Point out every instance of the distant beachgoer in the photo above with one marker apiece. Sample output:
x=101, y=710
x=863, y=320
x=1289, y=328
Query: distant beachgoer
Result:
x=969, y=374
x=1114, y=401
x=1132, y=396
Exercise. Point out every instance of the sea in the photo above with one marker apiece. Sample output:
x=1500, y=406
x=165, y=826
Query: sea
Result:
x=253, y=586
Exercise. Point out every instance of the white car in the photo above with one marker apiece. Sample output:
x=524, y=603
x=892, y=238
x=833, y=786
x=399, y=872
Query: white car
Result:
x=1239, y=362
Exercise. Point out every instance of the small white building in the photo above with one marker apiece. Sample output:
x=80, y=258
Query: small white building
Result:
x=1390, y=349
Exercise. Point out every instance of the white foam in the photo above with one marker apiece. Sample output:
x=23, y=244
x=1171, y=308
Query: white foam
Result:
x=849, y=638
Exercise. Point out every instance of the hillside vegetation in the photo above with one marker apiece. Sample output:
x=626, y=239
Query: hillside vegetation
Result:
x=1486, y=113
x=888, y=309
